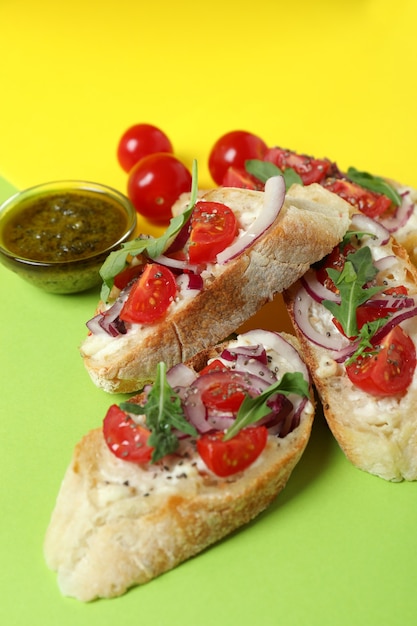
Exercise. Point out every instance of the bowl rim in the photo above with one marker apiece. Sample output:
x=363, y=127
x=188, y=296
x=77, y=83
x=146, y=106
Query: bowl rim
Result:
x=62, y=185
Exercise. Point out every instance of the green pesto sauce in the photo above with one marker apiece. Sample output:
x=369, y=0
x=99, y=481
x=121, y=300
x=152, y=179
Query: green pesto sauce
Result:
x=64, y=227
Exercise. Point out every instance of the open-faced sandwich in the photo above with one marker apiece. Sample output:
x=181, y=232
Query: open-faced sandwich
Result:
x=195, y=456
x=355, y=314
x=390, y=203
x=224, y=255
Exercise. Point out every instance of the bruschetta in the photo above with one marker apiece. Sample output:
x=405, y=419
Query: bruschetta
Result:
x=195, y=456
x=387, y=201
x=355, y=314
x=224, y=255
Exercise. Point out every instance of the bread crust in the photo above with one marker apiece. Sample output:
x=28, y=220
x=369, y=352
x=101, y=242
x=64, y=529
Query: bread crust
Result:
x=311, y=222
x=117, y=524
x=377, y=435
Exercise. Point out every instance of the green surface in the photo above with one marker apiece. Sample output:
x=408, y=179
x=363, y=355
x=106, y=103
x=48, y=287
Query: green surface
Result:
x=338, y=547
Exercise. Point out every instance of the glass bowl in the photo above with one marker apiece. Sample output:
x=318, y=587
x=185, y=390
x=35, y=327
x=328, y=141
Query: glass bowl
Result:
x=58, y=234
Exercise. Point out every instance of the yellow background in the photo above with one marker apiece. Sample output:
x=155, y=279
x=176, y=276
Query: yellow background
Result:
x=334, y=79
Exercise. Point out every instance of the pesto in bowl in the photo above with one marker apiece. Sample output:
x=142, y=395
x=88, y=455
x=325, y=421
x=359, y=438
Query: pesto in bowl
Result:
x=57, y=235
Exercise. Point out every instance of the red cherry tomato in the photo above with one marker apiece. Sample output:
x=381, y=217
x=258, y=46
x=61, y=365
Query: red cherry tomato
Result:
x=155, y=183
x=238, y=177
x=225, y=389
x=213, y=228
x=150, y=296
x=370, y=203
x=389, y=369
x=214, y=366
x=124, y=277
x=335, y=260
x=225, y=458
x=126, y=439
x=139, y=141
x=309, y=169
x=233, y=149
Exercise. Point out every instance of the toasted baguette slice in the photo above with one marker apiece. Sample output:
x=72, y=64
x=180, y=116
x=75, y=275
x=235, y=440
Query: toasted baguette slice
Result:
x=117, y=524
x=311, y=222
x=377, y=434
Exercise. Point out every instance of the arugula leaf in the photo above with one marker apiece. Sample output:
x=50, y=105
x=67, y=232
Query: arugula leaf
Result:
x=163, y=412
x=253, y=409
x=366, y=333
x=262, y=170
x=374, y=183
x=117, y=260
x=351, y=282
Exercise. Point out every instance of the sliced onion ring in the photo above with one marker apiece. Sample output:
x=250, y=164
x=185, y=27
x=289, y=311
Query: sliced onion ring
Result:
x=274, y=196
x=302, y=310
x=276, y=342
x=402, y=214
x=316, y=290
x=367, y=225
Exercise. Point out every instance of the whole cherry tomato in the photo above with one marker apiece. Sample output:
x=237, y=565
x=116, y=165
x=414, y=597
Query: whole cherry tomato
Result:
x=155, y=183
x=139, y=141
x=233, y=149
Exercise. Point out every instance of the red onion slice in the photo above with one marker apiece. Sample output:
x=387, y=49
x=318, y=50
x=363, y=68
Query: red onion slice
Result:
x=365, y=224
x=180, y=239
x=316, y=290
x=250, y=352
x=277, y=343
x=385, y=263
x=401, y=216
x=190, y=282
x=180, y=375
x=274, y=196
x=108, y=321
x=176, y=264
x=331, y=340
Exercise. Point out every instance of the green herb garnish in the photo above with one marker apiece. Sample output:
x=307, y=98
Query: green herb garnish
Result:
x=374, y=183
x=358, y=271
x=253, y=409
x=351, y=282
x=262, y=170
x=153, y=246
x=164, y=413
x=363, y=340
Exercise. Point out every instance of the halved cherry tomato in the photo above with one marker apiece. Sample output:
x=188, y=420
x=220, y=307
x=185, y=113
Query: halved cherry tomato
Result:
x=226, y=392
x=150, y=296
x=126, y=439
x=389, y=371
x=155, y=183
x=335, y=260
x=124, y=277
x=238, y=177
x=369, y=312
x=213, y=228
x=233, y=149
x=309, y=169
x=139, y=141
x=214, y=366
x=225, y=458
x=370, y=203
